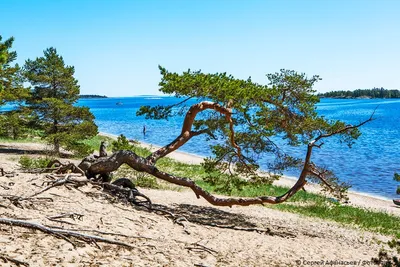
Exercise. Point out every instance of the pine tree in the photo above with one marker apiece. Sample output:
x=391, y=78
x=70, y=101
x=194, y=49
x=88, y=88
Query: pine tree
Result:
x=11, y=81
x=12, y=123
x=55, y=91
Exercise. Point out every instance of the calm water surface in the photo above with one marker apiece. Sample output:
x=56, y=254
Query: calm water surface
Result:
x=369, y=165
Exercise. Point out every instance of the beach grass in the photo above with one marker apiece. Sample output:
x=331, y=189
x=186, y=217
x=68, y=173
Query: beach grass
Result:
x=95, y=141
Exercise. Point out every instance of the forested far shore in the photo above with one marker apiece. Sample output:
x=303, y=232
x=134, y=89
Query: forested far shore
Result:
x=363, y=93
x=92, y=96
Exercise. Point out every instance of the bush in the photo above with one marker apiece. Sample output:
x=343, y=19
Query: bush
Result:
x=140, y=179
x=225, y=184
x=123, y=143
x=34, y=163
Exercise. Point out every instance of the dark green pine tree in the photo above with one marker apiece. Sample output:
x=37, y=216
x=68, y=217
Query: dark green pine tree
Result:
x=12, y=123
x=54, y=93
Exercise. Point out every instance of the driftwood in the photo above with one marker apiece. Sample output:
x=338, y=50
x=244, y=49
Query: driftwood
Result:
x=60, y=233
x=121, y=188
x=71, y=215
x=15, y=261
x=199, y=247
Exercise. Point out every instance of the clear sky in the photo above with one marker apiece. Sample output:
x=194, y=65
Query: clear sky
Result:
x=116, y=45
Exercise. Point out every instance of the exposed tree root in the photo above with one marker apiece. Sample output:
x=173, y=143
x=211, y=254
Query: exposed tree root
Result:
x=198, y=247
x=60, y=233
x=71, y=215
x=15, y=261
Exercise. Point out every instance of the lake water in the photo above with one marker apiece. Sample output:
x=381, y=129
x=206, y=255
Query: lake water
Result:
x=369, y=165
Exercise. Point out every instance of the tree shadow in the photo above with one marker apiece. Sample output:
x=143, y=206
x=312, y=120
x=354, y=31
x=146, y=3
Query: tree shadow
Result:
x=4, y=149
x=214, y=217
x=210, y=215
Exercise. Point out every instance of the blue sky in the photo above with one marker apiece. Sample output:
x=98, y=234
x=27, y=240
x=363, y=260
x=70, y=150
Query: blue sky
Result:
x=117, y=45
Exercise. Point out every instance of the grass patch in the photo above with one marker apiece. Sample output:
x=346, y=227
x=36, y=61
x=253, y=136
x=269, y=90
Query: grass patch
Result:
x=34, y=163
x=95, y=141
x=380, y=222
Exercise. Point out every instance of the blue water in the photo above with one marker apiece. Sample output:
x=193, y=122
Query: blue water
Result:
x=368, y=166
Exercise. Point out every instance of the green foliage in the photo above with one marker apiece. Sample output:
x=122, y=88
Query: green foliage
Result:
x=146, y=181
x=33, y=163
x=285, y=108
x=11, y=80
x=140, y=179
x=363, y=93
x=95, y=141
x=225, y=184
x=122, y=143
x=13, y=123
x=55, y=91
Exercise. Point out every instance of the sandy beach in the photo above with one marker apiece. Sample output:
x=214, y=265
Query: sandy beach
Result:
x=208, y=236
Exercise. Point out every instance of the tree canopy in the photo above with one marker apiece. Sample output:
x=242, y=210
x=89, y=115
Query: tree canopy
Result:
x=13, y=122
x=245, y=116
x=52, y=99
x=11, y=80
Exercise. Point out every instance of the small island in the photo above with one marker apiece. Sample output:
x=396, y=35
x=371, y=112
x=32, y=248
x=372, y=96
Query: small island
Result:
x=92, y=96
x=363, y=94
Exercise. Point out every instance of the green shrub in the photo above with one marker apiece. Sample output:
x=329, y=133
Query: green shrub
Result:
x=95, y=141
x=146, y=181
x=34, y=163
x=140, y=179
x=225, y=184
x=123, y=143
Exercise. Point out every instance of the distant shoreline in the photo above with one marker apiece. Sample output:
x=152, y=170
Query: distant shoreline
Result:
x=92, y=96
x=356, y=98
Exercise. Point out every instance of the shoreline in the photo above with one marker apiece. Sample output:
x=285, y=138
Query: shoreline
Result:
x=356, y=198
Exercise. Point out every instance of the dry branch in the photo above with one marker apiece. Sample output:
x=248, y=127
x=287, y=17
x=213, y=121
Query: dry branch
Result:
x=198, y=247
x=67, y=179
x=15, y=261
x=64, y=234
x=71, y=215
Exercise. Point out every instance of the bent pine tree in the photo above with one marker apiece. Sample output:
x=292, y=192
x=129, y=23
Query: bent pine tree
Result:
x=246, y=118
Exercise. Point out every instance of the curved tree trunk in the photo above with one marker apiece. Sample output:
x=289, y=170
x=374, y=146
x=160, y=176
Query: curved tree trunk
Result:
x=102, y=166
x=105, y=165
